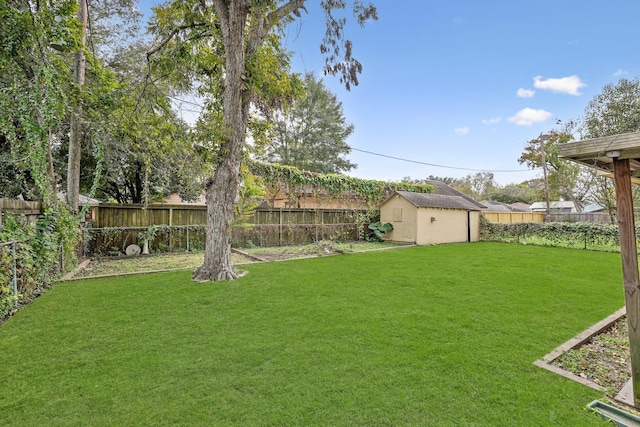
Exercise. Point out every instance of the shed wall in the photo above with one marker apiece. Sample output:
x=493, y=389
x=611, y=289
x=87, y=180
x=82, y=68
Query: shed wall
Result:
x=437, y=225
x=403, y=215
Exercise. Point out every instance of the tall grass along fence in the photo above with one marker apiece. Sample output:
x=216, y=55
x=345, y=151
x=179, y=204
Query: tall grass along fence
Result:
x=583, y=235
x=182, y=228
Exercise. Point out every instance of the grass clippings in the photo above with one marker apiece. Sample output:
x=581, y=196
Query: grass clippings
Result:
x=435, y=336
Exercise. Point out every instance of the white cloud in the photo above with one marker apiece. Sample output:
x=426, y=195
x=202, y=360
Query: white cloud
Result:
x=570, y=85
x=461, y=131
x=526, y=93
x=620, y=73
x=492, y=121
x=529, y=116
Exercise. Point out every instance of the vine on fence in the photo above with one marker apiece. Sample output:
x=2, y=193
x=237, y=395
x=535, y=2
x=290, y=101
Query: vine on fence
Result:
x=41, y=252
x=294, y=182
x=113, y=241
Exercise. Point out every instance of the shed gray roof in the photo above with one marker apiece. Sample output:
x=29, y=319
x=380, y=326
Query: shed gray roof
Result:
x=444, y=201
x=445, y=190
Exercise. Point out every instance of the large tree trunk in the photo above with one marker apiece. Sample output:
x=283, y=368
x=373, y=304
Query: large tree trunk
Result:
x=221, y=196
x=75, y=135
x=222, y=188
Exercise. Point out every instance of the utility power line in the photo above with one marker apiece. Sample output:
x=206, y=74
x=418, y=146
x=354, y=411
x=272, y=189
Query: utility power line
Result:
x=441, y=166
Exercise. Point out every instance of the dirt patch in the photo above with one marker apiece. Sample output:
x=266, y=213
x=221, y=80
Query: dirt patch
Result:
x=604, y=359
x=191, y=260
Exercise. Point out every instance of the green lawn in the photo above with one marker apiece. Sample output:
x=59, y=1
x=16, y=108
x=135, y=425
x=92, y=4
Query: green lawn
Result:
x=430, y=336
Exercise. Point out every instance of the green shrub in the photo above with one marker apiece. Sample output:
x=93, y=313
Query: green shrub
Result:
x=41, y=253
x=378, y=230
x=583, y=235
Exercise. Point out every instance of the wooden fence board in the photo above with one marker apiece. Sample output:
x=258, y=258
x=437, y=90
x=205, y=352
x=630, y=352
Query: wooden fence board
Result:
x=266, y=227
x=513, y=217
x=31, y=210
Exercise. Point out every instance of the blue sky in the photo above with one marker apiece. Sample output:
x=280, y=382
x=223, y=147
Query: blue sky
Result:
x=466, y=83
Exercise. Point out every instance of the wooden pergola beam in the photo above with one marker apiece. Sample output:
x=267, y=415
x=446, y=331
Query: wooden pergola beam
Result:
x=620, y=155
x=629, y=253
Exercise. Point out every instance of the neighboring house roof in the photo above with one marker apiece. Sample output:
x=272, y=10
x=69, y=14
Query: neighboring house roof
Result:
x=175, y=199
x=82, y=199
x=593, y=207
x=494, y=206
x=421, y=200
x=542, y=206
x=524, y=207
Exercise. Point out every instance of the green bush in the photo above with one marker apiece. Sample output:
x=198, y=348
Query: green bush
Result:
x=378, y=230
x=41, y=253
x=583, y=235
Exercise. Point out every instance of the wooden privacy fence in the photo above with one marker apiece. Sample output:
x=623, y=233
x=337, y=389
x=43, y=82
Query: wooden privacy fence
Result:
x=598, y=217
x=31, y=210
x=135, y=215
x=517, y=217
x=280, y=227
x=183, y=227
x=513, y=217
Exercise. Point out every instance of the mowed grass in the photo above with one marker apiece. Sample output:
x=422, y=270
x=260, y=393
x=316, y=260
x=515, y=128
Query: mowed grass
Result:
x=426, y=336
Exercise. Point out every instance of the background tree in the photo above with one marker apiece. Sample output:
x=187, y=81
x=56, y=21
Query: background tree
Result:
x=136, y=148
x=561, y=176
x=513, y=193
x=615, y=110
x=75, y=131
x=478, y=186
x=36, y=39
x=311, y=133
x=235, y=47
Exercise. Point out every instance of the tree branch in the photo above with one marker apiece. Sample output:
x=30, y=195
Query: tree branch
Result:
x=293, y=6
x=223, y=14
x=171, y=35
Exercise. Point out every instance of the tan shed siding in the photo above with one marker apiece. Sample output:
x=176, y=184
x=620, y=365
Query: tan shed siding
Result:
x=447, y=226
x=405, y=229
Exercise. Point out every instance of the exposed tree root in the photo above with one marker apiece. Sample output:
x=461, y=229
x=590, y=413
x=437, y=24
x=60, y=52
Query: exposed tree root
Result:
x=203, y=274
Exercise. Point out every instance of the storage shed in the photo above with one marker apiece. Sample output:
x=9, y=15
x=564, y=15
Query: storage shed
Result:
x=430, y=219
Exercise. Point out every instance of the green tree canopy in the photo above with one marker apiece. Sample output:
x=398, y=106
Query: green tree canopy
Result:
x=564, y=179
x=613, y=111
x=311, y=133
x=135, y=147
x=234, y=48
x=36, y=41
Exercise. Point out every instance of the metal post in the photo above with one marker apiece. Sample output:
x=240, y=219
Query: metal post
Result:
x=15, y=268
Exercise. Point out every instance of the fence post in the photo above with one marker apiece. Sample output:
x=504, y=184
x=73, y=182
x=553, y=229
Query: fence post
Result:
x=15, y=269
x=280, y=228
